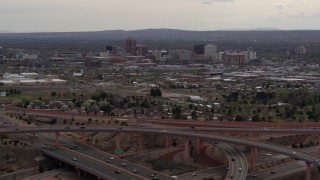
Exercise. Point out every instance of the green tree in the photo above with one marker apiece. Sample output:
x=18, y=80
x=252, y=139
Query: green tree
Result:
x=105, y=107
x=238, y=118
x=176, y=112
x=155, y=92
x=53, y=94
x=194, y=115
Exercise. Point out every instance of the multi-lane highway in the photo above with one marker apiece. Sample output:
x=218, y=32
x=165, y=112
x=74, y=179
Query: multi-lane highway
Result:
x=216, y=171
x=88, y=164
x=295, y=125
x=279, y=172
x=253, y=130
x=238, y=165
x=270, y=147
x=96, y=154
x=297, y=154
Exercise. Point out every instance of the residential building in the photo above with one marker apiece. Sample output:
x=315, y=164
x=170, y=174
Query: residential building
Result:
x=25, y=56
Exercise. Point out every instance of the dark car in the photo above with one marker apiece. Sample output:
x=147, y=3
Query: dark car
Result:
x=117, y=171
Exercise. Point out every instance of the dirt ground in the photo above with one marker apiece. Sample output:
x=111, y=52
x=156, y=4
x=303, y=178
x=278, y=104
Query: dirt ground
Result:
x=16, y=157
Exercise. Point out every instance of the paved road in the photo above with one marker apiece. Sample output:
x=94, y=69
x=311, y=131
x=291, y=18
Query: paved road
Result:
x=279, y=171
x=311, y=158
x=48, y=174
x=204, y=173
x=238, y=165
x=79, y=149
x=96, y=167
x=254, y=130
x=20, y=174
x=105, y=157
x=170, y=121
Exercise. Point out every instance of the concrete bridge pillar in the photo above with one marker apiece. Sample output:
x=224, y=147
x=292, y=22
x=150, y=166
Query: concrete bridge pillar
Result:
x=34, y=136
x=57, y=135
x=60, y=164
x=118, y=138
x=140, y=143
x=254, y=135
x=309, y=169
x=199, y=144
x=186, y=149
x=168, y=141
x=253, y=158
x=78, y=172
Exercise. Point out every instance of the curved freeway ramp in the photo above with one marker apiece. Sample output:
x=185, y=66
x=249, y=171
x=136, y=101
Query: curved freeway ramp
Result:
x=238, y=165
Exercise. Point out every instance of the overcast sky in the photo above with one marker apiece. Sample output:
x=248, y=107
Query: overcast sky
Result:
x=95, y=15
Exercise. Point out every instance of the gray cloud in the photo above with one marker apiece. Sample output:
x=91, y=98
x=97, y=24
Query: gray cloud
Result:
x=82, y=15
x=216, y=1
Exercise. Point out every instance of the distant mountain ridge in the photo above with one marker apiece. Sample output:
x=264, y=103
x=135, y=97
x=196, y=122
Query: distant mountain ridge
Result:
x=174, y=34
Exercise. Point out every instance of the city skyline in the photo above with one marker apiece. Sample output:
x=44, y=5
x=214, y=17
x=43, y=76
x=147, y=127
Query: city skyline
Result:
x=96, y=15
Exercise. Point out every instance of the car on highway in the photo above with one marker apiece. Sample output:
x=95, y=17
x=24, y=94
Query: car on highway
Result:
x=254, y=175
x=163, y=131
x=232, y=159
x=117, y=171
x=67, y=128
x=152, y=174
x=294, y=153
x=228, y=167
x=124, y=164
x=316, y=161
x=16, y=129
x=273, y=172
x=111, y=158
x=135, y=170
x=82, y=127
x=74, y=159
x=108, y=161
x=194, y=174
x=240, y=169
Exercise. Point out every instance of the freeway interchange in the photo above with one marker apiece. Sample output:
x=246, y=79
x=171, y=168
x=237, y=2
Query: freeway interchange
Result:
x=100, y=165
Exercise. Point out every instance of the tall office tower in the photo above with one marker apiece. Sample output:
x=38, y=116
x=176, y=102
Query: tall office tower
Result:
x=142, y=49
x=198, y=49
x=111, y=49
x=131, y=46
x=234, y=58
x=210, y=52
x=1, y=52
x=300, y=50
